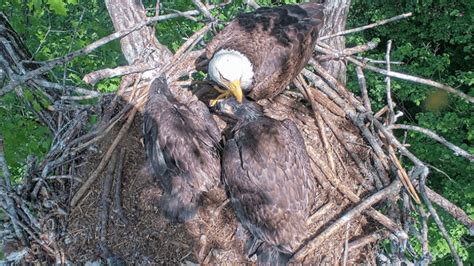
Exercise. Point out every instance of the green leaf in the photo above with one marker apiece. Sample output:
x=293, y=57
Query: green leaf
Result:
x=58, y=7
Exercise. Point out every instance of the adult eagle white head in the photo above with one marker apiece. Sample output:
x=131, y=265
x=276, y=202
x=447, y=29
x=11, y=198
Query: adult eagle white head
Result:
x=258, y=54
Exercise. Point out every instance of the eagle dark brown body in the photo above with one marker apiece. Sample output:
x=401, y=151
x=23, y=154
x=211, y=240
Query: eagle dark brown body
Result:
x=278, y=41
x=181, y=143
x=267, y=174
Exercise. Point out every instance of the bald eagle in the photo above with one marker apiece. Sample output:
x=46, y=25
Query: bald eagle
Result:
x=266, y=171
x=260, y=53
x=181, y=143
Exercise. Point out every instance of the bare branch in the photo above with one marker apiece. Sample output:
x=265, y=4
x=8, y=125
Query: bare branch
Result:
x=457, y=150
x=391, y=112
x=451, y=208
x=435, y=215
x=98, y=75
x=346, y=52
x=203, y=9
x=357, y=210
x=363, y=88
x=373, y=25
x=88, y=183
x=252, y=4
x=414, y=79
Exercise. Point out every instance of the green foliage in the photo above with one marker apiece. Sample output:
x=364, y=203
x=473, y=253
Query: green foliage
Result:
x=22, y=133
x=435, y=43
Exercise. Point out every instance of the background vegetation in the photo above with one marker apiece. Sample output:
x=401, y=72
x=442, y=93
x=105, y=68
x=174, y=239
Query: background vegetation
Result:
x=436, y=43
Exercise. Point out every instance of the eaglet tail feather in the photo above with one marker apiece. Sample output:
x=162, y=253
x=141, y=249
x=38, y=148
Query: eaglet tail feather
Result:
x=180, y=204
x=268, y=255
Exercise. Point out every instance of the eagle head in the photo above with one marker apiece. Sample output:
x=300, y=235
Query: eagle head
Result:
x=243, y=112
x=231, y=70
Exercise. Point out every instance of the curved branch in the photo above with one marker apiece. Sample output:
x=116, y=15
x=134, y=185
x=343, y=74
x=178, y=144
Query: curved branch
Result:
x=457, y=150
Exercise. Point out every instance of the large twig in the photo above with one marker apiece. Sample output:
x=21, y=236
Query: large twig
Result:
x=346, y=52
x=391, y=112
x=363, y=88
x=414, y=79
x=373, y=25
x=88, y=183
x=5, y=189
x=99, y=75
x=203, y=9
x=436, y=217
x=17, y=80
x=314, y=243
x=104, y=207
x=457, y=150
x=451, y=208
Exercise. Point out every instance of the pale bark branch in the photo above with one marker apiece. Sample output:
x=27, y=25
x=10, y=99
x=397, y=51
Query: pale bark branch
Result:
x=414, y=79
x=373, y=25
x=457, y=150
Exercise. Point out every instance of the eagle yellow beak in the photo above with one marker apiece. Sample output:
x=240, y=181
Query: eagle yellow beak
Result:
x=236, y=90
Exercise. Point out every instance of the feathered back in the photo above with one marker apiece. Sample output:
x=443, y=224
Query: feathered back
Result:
x=181, y=143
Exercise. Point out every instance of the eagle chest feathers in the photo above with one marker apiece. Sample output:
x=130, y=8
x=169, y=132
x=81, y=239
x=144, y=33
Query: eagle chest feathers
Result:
x=277, y=41
x=267, y=173
x=181, y=143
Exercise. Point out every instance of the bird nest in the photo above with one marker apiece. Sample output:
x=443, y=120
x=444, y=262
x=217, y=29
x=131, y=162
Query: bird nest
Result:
x=93, y=197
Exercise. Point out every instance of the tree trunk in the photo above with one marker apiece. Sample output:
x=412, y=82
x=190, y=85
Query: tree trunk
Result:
x=141, y=44
x=336, y=13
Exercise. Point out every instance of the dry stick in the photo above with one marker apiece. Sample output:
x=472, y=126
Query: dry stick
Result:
x=15, y=81
x=105, y=206
x=374, y=61
x=324, y=101
x=339, y=136
x=393, y=141
x=346, y=52
x=105, y=159
x=457, y=150
x=203, y=9
x=118, y=185
x=403, y=175
x=391, y=113
x=388, y=223
x=373, y=213
x=42, y=243
x=424, y=232
x=364, y=241
x=5, y=188
x=452, y=209
x=98, y=75
x=414, y=79
x=435, y=215
x=358, y=120
x=363, y=88
x=317, y=116
x=314, y=243
x=378, y=23
x=329, y=50
x=346, y=244
x=52, y=85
